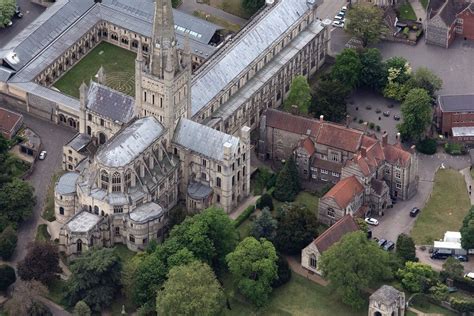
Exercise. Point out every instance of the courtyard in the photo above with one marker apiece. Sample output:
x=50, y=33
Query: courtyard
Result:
x=119, y=65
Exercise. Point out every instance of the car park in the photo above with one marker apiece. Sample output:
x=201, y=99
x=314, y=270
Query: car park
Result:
x=42, y=155
x=389, y=245
x=338, y=23
x=414, y=211
x=381, y=242
x=371, y=221
x=462, y=258
x=344, y=9
x=386, y=113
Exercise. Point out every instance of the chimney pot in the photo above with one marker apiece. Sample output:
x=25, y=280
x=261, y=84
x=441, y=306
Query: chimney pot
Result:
x=384, y=138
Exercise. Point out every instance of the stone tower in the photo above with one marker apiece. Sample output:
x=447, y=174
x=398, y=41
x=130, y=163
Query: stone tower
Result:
x=387, y=301
x=163, y=86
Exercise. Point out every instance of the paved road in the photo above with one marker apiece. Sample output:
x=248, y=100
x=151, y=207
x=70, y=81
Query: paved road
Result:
x=30, y=10
x=189, y=6
x=53, y=138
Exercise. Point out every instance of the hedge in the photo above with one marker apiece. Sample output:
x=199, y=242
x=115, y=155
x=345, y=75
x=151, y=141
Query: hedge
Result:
x=427, y=146
x=454, y=149
x=245, y=214
x=461, y=305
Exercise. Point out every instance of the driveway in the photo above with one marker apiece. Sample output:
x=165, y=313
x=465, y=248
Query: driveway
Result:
x=30, y=12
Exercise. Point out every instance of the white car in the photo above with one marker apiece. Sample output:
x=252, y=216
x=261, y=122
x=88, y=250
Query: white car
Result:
x=338, y=23
x=371, y=221
x=339, y=17
x=42, y=155
x=344, y=9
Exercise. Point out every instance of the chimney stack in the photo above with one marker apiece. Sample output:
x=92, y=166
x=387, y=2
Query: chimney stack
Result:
x=321, y=118
x=384, y=138
x=348, y=120
x=398, y=137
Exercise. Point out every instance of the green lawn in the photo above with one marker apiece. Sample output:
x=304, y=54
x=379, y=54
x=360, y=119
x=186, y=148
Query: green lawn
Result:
x=119, y=65
x=298, y=297
x=48, y=212
x=309, y=200
x=406, y=12
x=424, y=3
x=57, y=292
x=445, y=210
x=42, y=233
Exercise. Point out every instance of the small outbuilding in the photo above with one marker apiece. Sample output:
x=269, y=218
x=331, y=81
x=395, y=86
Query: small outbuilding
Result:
x=387, y=301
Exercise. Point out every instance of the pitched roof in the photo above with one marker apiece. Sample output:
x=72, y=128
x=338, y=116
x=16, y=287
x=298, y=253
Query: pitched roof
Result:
x=308, y=145
x=386, y=293
x=339, y=136
x=456, y=103
x=333, y=234
x=109, y=103
x=395, y=154
x=344, y=191
x=327, y=165
x=446, y=10
x=9, y=119
x=292, y=123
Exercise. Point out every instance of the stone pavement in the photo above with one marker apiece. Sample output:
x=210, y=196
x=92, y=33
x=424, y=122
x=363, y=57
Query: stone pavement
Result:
x=251, y=200
x=419, y=10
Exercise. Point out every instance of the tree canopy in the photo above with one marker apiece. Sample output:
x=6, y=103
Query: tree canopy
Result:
x=405, y=248
x=264, y=226
x=252, y=6
x=16, y=200
x=287, y=184
x=300, y=95
x=253, y=264
x=40, y=263
x=373, y=74
x=297, y=227
x=417, y=114
x=453, y=268
x=426, y=79
x=191, y=289
x=81, y=309
x=467, y=230
x=330, y=100
x=7, y=277
x=25, y=297
x=417, y=277
x=354, y=264
x=8, y=239
x=366, y=23
x=7, y=9
x=347, y=68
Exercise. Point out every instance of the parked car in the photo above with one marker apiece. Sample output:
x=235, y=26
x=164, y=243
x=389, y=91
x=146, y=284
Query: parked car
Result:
x=381, y=242
x=42, y=155
x=338, y=18
x=9, y=23
x=371, y=221
x=378, y=111
x=396, y=117
x=344, y=9
x=462, y=258
x=414, y=211
x=469, y=275
x=18, y=12
x=389, y=245
x=440, y=255
x=338, y=23
x=386, y=113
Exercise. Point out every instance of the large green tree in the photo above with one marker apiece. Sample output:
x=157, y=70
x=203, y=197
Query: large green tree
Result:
x=347, y=68
x=264, y=226
x=41, y=263
x=7, y=277
x=428, y=80
x=374, y=73
x=81, y=309
x=25, y=297
x=405, y=248
x=365, y=22
x=253, y=264
x=8, y=239
x=191, y=289
x=417, y=277
x=287, y=184
x=300, y=95
x=95, y=278
x=16, y=200
x=354, y=264
x=467, y=230
x=453, y=268
x=7, y=9
x=417, y=114
x=297, y=227
x=330, y=100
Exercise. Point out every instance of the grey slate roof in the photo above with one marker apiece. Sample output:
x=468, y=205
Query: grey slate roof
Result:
x=146, y=212
x=110, y=103
x=79, y=141
x=198, y=190
x=5, y=74
x=130, y=142
x=456, y=103
x=67, y=183
x=83, y=222
x=386, y=293
x=255, y=38
x=204, y=140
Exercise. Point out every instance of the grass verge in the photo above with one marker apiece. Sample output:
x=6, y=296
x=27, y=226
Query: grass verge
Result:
x=445, y=210
x=48, y=212
x=42, y=233
x=406, y=12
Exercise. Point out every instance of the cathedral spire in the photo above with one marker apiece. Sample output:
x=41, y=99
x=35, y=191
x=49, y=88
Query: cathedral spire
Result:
x=164, y=38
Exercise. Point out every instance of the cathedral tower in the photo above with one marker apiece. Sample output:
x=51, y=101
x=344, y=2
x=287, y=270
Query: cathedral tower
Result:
x=163, y=87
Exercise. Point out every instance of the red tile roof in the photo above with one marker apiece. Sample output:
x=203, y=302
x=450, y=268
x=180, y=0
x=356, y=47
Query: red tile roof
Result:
x=292, y=123
x=308, y=145
x=9, y=120
x=396, y=155
x=339, y=136
x=344, y=191
x=333, y=234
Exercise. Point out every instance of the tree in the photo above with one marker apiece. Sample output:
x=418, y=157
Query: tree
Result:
x=425, y=79
x=191, y=289
x=398, y=69
x=297, y=227
x=252, y=6
x=264, y=226
x=25, y=296
x=176, y=216
x=8, y=239
x=467, y=230
x=347, y=68
x=287, y=183
x=417, y=115
x=7, y=9
x=265, y=201
x=283, y=272
x=366, y=23
x=354, y=264
x=330, y=100
x=7, y=277
x=81, y=309
x=41, y=263
x=363, y=226
x=300, y=95
x=95, y=278
x=373, y=74
x=253, y=264
x=406, y=248
x=453, y=268
x=17, y=200
x=417, y=277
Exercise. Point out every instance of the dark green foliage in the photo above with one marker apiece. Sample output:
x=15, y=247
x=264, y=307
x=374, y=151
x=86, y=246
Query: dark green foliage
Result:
x=297, y=227
x=374, y=73
x=402, y=67
x=452, y=268
x=283, y=271
x=427, y=146
x=252, y=6
x=347, y=68
x=41, y=263
x=95, y=278
x=467, y=230
x=264, y=179
x=265, y=201
x=16, y=200
x=287, y=183
x=405, y=248
x=425, y=79
x=7, y=277
x=417, y=277
x=330, y=100
x=175, y=3
x=8, y=239
x=7, y=9
x=417, y=114
x=244, y=215
x=366, y=23
x=462, y=306
x=177, y=215
x=299, y=95
x=264, y=226
x=455, y=149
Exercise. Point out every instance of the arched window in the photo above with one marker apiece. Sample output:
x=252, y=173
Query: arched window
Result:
x=89, y=131
x=61, y=210
x=96, y=210
x=104, y=180
x=79, y=245
x=131, y=238
x=312, y=261
x=128, y=179
x=116, y=182
x=218, y=182
x=102, y=138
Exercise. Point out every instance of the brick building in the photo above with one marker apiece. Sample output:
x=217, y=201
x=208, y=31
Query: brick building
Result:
x=10, y=123
x=455, y=116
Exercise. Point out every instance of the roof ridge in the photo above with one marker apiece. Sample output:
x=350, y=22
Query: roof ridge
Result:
x=334, y=226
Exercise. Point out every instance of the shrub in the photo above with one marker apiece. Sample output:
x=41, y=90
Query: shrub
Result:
x=7, y=277
x=427, y=146
x=377, y=128
x=8, y=239
x=361, y=121
x=462, y=306
x=244, y=215
x=454, y=149
x=265, y=201
x=283, y=271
